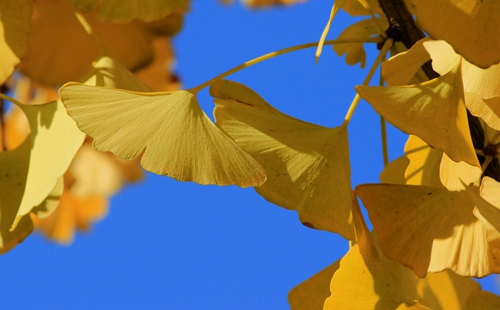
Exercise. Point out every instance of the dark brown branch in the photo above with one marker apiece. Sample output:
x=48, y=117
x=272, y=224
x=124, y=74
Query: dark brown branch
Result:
x=402, y=28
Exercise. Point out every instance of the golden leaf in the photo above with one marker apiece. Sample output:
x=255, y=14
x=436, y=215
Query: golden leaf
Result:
x=177, y=138
x=311, y=294
x=363, y=29
x=471, y=27
x=434, y=111
x=479, y=81
x=15, y=20
x=394, y=172
x=428, y=228
x=307, y=165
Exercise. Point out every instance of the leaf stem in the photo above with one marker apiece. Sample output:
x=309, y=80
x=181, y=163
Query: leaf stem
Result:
x=387, y=45
x=278, y=53
x=14, y=101
x=383, y=129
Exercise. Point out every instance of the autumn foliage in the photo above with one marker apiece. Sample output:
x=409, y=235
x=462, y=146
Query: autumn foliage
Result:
x=87, y=117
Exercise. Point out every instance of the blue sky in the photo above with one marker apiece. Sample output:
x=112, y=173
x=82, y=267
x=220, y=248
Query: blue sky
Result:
x=174, y=245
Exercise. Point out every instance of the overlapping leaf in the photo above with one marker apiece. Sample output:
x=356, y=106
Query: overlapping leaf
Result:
x=177, y=138
x=429, y=229
x=355, y=52
x=434, y=111
x=307, y=165
x=15, y=17
x=311, y=294
x=471, y=27
x=126, y=10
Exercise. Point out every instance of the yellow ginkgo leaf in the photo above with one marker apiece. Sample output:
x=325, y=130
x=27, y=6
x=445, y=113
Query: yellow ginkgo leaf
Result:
x=434, y=111
x=14, y=167
x=337, y=4
x=358, y=7
x=51, y=202
x=415, y=228
x=15, y=17
x=479, y=81
x=483, y=300
x=379, y=282
x=54, y=141
x=124, y=11
x=411, y=60
x=487, y=109
x=363, y=29
x=423, y=168
x=177, y=138
x=393, y=173
x=106, y=71
x=488, y=201
x=446, y=290
x=471, y=27
x=307, y=165
x=311, y=294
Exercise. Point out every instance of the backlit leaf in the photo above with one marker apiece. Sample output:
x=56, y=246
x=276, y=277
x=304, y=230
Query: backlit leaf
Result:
x=363, y=29
x=311, y=294
x=126, y=10
x=307, y=165
x=471, y=27
x=54, y=141
x=479, y=81
x=428, y=229
x=15, y=20
x=177, y=138
x=434, y=111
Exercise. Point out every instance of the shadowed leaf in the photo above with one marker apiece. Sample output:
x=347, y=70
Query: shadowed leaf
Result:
x=307, y=165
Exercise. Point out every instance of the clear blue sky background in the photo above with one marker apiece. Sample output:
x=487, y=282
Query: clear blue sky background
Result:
x=173, y=245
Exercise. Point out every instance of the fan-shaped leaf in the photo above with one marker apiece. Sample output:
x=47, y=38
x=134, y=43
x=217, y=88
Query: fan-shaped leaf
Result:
x=433, y=110
x=307, y=165
x=177, y=138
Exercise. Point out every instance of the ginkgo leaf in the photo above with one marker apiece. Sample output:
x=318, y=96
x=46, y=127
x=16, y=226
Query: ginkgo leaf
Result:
x=363, y=29
x=307, y=165
x=337, y=4
x=54, y=141
x=488, y=201
x=434, y=111
x=483, y=300
x=106, y=71
x=14, y=167
x=411, y=60
x=446, y=290
x=471, y=27
x=15, y=17
x=423, y=168
x=394, y=172
x=177, y=138
x=357, y=7
x=479, y=81
x=52, y=200
x=379, y=282
x=311, y=294
x=125, y=10
x=454, y=175
x=428, y=228
x=487, y=109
